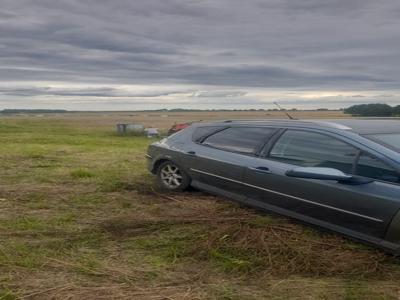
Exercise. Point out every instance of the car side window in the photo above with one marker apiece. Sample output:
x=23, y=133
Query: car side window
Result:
x=371, y=167
x=311, y=149
x=239, y=139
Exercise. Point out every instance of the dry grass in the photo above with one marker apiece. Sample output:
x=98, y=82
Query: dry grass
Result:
x=80, y=219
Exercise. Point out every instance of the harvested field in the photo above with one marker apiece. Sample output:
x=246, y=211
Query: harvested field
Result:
x=81, y=218
x=164, y=120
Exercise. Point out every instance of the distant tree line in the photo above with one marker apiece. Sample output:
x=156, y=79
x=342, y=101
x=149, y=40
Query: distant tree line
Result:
x=373, y=110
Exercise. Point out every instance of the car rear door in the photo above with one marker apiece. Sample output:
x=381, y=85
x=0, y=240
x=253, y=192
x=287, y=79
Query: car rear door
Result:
x=366, y=208
x=217, y=161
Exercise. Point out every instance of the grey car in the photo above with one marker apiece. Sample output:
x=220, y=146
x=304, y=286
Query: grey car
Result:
x=342, y=175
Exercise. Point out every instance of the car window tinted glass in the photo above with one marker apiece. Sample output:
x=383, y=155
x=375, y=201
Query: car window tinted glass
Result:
x=390, y=139
x=311, y=149
x=202, y=132
x=371, y=167
x=239, y=139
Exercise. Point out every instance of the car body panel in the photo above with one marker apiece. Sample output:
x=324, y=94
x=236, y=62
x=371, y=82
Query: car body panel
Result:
x=222, y=164
x=368, y=212
x=312, y=197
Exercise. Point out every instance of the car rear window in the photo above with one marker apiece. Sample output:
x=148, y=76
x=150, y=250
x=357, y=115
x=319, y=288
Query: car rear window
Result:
x=239, y=139
x=202, y=132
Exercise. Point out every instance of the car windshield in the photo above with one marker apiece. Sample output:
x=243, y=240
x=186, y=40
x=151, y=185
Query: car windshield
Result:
x=389, y=139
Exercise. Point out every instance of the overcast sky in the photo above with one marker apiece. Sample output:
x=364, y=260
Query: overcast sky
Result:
x=150, y=54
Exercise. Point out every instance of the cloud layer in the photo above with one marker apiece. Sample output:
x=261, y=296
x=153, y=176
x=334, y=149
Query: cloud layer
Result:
x=169, y=53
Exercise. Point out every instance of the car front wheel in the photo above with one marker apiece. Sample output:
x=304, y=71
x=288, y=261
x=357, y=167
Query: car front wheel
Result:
x=172, y=177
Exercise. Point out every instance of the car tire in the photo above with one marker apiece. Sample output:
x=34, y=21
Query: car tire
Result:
x=171, y=177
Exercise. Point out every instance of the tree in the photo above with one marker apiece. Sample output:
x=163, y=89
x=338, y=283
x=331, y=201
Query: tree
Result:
x=396, y=111
x=370, y=110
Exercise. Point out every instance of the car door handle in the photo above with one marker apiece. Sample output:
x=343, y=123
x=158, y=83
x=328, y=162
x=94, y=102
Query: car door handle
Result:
x=192, y=153
x=264, y=170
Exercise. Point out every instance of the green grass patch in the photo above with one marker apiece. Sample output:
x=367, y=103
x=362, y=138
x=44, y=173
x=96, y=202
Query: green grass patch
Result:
x=7, y=294
x=24, y=224
x=261, y=221
x=81, y=173
x=168, y=245
x=233, y=260
x=24, y=254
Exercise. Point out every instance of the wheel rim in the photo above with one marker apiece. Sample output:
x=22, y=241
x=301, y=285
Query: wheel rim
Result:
x=171, y=176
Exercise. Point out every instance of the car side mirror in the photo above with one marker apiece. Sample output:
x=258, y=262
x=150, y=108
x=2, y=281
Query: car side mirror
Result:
x=327, y=174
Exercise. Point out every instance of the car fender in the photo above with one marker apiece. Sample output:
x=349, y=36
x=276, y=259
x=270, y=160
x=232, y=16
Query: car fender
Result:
x=161, y=157
x=393, y=231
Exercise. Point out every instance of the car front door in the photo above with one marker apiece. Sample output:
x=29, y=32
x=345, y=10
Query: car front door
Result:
x=365, y=208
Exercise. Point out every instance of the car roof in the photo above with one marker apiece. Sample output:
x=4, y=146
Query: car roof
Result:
x=363, y=126
x=372, y=126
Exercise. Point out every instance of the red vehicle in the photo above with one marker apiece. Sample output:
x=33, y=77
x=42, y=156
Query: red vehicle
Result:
x=178, y=127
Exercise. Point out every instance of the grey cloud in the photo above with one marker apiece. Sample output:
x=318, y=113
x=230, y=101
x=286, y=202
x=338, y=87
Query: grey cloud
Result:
x=291, y=45
x=218, y=94
x=6, y=15
x=47, y=91
x=326, y=6
x=386, y=96
x=268, y=76
x=86, y=92
x=337, y=101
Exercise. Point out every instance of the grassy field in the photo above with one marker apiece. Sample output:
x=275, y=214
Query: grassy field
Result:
x=81, y=218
